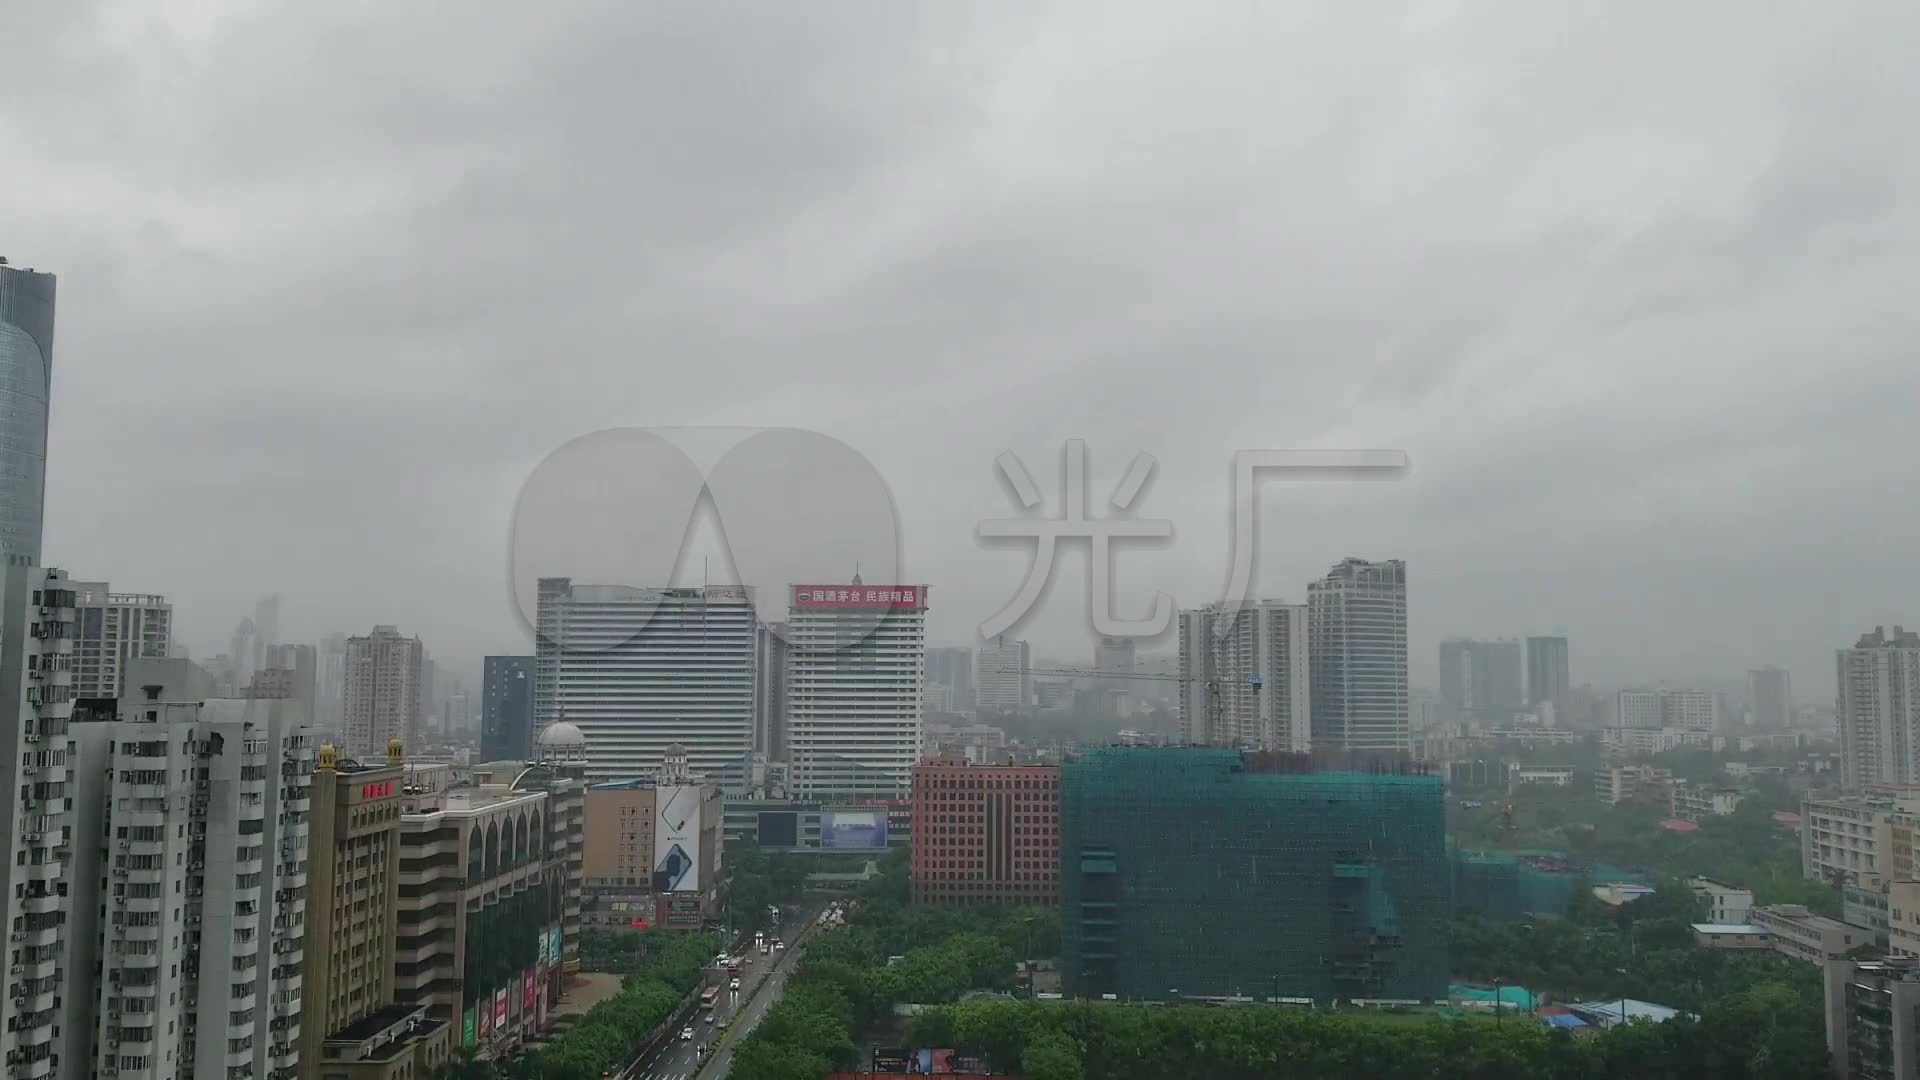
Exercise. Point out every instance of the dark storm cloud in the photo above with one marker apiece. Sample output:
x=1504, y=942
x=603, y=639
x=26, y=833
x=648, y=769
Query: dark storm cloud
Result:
x=1628, y=284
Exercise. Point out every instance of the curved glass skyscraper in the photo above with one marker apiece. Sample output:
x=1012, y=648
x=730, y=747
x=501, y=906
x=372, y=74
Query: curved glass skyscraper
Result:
x=26, y=372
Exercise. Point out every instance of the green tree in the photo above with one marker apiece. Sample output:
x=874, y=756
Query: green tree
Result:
x=1053, y=1055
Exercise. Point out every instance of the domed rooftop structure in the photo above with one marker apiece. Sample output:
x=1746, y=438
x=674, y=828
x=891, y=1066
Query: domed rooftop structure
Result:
x=561, y=735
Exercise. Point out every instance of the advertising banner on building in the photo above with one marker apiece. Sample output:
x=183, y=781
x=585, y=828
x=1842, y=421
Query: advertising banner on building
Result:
x=894, y=597
x=526, y=993
x=553, y=946
x=676, y=840
x=486, y=1020
x=469, y=1030
x=857, y=829
x=540, y=948
x=500, y=1008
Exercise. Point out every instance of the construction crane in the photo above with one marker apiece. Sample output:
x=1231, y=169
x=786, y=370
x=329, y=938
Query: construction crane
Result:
x=1212, y=685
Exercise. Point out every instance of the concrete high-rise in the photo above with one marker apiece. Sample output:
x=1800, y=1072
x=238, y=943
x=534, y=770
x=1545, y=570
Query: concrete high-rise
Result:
x=187, y=919
x=506, y=708
x=638, y=670
x=38, y=828
x=1770, y=697
x=1246, y=677
x=856, y=662
x=1549, y=675
x=382, y=693
x=1878, y=708
x=1481, y=680
x=114, y=629
x=1002, y=675
x=1357, y=624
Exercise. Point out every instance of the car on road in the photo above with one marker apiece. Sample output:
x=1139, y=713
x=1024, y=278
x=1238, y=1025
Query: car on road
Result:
x=686, y=1034
x=709, y=1018
x=734, y=985
x=778, y=945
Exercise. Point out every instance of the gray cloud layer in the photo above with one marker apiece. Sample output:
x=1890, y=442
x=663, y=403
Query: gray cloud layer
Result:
x=1627, y=281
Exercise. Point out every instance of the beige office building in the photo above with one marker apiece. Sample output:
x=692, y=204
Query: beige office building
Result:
x=354, y=1030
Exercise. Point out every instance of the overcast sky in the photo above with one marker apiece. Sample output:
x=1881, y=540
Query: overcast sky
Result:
x=1631, y=283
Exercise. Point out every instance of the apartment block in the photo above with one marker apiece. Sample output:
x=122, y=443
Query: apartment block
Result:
x=856, y=662
x=1848, y=839
x=1873, y=1018
x=112, y=630
x=985, y=834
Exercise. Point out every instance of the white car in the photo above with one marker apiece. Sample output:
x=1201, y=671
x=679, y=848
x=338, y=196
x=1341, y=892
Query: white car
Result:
x=686, y=1034
x=779, y=946
x=734, y=985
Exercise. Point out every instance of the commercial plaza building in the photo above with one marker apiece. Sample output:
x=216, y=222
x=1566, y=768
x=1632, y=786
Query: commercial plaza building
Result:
x=985, y=834
x=638, y=670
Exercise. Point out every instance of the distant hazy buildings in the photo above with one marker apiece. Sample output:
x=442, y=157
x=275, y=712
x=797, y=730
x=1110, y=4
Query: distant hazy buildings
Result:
x=382, y=692
x=1878, y=708
x=26, y=378
x=1357, y=624
x=111, y=630
x=1770, y=696
x=506, y=708
x=1481, y=680
x=638, y=670
x=1003, y=677
x=330, y=685
x=1246, y=677
x=300, y=667
x=1688, y=710
x=952, y=667
x=1549, y=676
x=856, y=661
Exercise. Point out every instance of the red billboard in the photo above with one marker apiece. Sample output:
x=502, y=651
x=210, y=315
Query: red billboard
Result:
x=883, y=597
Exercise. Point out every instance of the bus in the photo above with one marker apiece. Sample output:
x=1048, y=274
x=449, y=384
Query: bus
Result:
x=708, y=997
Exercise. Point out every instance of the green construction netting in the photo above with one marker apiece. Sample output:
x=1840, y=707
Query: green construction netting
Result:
x=1192, y=875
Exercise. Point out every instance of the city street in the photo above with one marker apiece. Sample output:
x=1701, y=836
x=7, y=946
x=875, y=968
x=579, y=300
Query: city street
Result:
x=681, y=1061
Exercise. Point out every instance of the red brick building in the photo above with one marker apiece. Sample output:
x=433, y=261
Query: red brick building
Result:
x=985, y=834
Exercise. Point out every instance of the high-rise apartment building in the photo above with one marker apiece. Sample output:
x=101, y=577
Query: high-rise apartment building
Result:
x=352, y=1024
x=1003, y=677
x=1246, y=677
x=1770, y=697
x=1637, y=709
x=986, y=834
x=39, y=833
x=187, y=899
x=856, y=661
x=1165, y=852
x=1549, y=677
x=37, y=617
x=638, y=670
x=951, y=666
x=113, y=629
x=1870, y=1010
x=1691, y=710
x=1878, y=708
x=1357, y=625
x=770, y=690
x=506, y=708
x=1481, y=680
x=382, y=692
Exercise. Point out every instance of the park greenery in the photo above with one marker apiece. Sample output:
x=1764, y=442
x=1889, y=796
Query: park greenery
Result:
x=1751, y=1035
x=890, y=952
